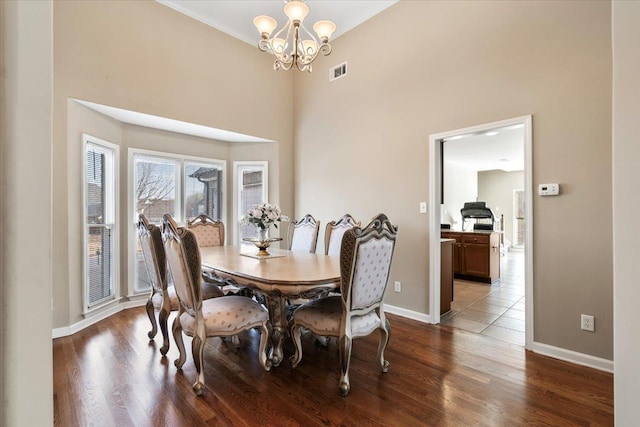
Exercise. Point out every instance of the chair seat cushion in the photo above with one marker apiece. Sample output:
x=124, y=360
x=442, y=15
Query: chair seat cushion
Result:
x=324, y=315
x=209, y=290
x=227, y=316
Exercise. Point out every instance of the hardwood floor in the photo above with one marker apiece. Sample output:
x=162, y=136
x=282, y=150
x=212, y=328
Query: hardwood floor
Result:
x=110, y=374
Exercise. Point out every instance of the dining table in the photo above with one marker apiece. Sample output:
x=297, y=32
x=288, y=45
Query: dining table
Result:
x=281, y=276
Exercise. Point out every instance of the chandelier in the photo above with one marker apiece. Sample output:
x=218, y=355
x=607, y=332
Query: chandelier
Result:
x=291, y=46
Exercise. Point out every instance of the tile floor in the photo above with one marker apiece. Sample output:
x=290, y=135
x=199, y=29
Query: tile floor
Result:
x=497, y=309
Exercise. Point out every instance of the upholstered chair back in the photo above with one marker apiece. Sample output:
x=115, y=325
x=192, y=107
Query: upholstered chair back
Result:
x=208, y=231
x=334, y=232
x=153, y=253
x=183, y=257
x=303, y=234
x=365, y=262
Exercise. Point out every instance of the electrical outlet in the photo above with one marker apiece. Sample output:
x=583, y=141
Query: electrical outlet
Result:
x=587, y=322
x=397, y=286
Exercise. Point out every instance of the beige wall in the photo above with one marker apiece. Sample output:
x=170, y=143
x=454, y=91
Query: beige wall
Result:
x=26, y=383
x=626, y=209
x=496, y=188
x=143, y=56
x=361, y=141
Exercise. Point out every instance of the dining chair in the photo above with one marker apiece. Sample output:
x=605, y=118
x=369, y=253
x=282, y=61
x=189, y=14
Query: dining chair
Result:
x=201, y=319
x=303, y=234
x=365, y=261
x=334, y=231
x=208, y=231
x=162, y=298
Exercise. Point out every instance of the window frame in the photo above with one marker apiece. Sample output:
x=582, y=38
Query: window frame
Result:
x=238, y=167
x=132, y=231
x=111, y=213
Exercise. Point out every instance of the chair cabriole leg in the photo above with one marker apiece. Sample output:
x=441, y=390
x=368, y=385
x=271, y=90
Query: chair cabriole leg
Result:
x=297, y=344
x=163, y=317
x=152, y=318
x=265, y=333
x=197, y=348
x=385, y=332
x=177, y=337
x=344, y=345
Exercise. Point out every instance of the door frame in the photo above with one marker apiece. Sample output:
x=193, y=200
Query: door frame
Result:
x=435, y=196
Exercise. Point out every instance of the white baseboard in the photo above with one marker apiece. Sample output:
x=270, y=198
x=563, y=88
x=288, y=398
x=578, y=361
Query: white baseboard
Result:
x=573, y=357
x=90, y=320
x=540, y=348
x=410, y=314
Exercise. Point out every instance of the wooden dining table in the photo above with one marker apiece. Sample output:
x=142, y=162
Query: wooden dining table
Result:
x=279, y=277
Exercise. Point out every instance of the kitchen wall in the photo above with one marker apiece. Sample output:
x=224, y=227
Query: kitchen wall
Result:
x=460, y=185
x=496, y=188
x=422, y=68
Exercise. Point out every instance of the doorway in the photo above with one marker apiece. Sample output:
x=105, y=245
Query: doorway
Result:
x=441, y=214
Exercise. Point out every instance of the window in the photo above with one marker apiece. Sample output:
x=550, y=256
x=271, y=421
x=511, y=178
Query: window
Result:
x=250, y=184
x=181, y=186
x=203, y=190
x=100, y=247
x=155, y=187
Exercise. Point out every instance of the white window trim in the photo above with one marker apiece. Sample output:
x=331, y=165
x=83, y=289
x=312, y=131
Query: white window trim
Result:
x=132, y=232
x=239, y=166
x=115, y=214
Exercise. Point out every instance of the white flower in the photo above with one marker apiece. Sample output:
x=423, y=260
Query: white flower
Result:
x=264, y=215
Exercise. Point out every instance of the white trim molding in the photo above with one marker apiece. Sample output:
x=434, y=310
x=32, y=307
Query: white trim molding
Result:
x=107, y=311
x=409, y=314
x=573, y=357
x=435, y=193
x=538, y=348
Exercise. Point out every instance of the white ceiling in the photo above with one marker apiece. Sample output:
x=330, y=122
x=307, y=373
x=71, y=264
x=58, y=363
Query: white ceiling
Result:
x=480, y=152
x=235, y=17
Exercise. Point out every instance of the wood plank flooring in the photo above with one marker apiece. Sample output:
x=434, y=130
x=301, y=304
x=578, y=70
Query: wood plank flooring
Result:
x=110, y=374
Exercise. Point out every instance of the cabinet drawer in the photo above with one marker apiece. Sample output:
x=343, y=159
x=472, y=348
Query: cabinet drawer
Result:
x=455, y=236
x=476, y=238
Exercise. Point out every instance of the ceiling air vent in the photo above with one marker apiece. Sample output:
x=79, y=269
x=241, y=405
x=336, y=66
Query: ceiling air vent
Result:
x=338, y=71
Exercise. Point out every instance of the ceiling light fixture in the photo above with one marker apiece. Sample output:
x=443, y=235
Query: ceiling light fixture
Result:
x=288, y=45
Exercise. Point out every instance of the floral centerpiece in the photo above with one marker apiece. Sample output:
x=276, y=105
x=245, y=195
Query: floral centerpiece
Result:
x=263, y=216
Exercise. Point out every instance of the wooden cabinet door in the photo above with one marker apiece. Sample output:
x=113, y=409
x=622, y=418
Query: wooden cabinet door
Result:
x=457, y=257
x=476, y=259
x=457, y=249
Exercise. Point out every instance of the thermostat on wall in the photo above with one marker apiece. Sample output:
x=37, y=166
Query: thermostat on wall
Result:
x=549, y=189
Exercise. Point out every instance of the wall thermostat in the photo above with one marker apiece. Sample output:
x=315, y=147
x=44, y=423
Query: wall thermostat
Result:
x=549, y=189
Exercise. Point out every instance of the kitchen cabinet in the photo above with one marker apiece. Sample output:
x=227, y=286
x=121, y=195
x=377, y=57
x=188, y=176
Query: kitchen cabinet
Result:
x=476, y=254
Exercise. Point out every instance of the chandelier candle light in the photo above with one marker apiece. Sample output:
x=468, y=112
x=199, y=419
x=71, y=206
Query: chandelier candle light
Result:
x=288, y=45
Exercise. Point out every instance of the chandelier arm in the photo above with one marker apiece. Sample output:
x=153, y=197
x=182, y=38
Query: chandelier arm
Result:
x=310, y=34
x=325, y=48
x=264, y=45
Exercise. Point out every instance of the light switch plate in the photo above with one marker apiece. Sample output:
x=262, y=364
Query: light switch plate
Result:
x=423, y=207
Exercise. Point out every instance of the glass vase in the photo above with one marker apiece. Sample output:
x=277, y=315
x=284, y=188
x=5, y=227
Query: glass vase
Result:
x=263, y=233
